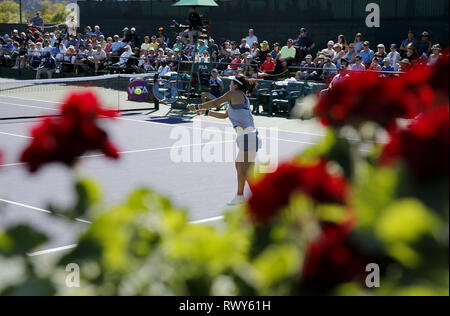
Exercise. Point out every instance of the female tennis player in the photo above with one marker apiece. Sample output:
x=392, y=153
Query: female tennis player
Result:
x=240, y=115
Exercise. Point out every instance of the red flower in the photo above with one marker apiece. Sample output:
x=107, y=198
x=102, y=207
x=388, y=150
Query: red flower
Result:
x=70, y=135
x=366, y=97
x=424, y=146
x=332, y=259
x=275, y=190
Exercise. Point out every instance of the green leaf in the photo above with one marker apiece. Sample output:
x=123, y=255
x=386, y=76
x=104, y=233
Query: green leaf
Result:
x=20, y=240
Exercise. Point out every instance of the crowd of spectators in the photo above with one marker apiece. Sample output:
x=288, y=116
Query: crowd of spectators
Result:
x=89, y=51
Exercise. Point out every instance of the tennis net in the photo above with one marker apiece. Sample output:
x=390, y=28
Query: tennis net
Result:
x=40, y=98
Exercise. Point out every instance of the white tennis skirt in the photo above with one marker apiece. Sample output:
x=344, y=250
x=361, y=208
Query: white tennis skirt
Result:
x=248, y=139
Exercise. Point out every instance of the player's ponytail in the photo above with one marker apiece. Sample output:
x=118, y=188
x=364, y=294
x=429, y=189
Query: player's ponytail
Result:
x=246, y=85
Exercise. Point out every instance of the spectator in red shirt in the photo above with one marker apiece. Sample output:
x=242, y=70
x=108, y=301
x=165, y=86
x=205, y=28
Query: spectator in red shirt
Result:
x=236, y=62
x=267, y=67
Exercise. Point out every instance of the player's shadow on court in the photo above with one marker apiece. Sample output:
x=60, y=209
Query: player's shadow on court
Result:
x=168, y=120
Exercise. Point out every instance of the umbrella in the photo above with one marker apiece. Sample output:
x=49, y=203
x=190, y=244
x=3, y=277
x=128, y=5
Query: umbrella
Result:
x=196, y=3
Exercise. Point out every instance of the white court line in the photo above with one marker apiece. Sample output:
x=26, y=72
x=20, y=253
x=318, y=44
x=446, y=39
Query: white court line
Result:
x=15, y=135
x=208, y=121
x=53, y=250
x=196, y=222
x=133, y=151
x=40, y=210
x=29, y=106
x=69, y=247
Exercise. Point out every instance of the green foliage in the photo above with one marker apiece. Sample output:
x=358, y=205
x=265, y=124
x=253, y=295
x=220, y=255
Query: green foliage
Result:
x=9, y=12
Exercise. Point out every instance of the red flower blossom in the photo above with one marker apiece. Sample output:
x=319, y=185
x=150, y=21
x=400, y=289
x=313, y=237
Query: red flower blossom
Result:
x=275, y=190
x=70, y=135
x=366, y=97
x=424, y=146
x=332, y=259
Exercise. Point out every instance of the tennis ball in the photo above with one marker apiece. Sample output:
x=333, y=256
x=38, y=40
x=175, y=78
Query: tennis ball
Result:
x=138, y=91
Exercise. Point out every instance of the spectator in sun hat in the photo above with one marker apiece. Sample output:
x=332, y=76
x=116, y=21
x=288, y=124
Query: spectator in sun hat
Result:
x=307, y=67
x=178, y=43
x=202, y=46
x=424, y=45
x=409, y=40
x=329, y=50
x=366, y=54
x=404, y=64
x=394, y=56
x=436, y=54
x=339, y=53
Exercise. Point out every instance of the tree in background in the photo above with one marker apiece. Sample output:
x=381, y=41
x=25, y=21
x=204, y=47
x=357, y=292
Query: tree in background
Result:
x=52, y=12
x=9, y=12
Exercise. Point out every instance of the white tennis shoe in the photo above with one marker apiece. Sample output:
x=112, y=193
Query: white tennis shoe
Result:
x=238, y=200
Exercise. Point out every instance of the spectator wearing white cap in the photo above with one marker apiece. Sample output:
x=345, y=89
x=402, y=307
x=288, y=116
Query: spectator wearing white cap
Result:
x=394, y=56
x=387, y=66
x=424, y=45
x=97, y=31
x=201, y=46
x=307, y=68
x=126, y=35
x=178, y=43
x=329, y=51
x=436, y=54
x=251, y=38
x=134, y=38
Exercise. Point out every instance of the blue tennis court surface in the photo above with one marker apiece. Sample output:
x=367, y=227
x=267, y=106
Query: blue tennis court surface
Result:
x=147, y=144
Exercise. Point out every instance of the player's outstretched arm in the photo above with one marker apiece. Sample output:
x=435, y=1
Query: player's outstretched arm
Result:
x=211, y=104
